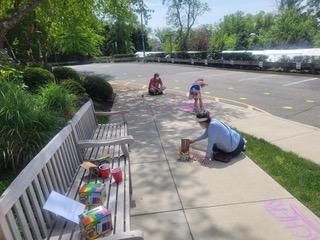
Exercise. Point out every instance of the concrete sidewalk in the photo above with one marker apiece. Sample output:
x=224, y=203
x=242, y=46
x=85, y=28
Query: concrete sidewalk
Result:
x=177, y=200
x=289, y=135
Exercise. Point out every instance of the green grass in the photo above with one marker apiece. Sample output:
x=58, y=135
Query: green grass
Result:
x=102, y=119
x=299, y=176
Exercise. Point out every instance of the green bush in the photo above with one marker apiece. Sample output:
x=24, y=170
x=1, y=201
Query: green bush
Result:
x=57, y=99
x=98, y=88
x=75, y=88
x=37, y=77
x=11, y=74
x=5, y=59
x=62, y=73
x=25, y=125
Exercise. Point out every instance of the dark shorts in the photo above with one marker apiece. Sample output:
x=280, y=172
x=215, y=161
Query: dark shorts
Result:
x=236, y=152
x=194, y=91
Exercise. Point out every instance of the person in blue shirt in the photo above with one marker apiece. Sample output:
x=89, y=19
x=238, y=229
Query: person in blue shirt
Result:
x=224, y=143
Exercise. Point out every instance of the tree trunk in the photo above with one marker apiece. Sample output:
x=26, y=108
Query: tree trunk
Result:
x=8, y=23
x=2, y=38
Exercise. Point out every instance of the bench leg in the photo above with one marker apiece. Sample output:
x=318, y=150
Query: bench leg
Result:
x=130, y=180
x=125, y=150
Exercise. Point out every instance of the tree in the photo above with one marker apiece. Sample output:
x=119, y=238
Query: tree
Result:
x=69, y=28
x=200, y=39
x=182, y=15
x=11, y=16
x=314, y=8
x=136, y=39
x=292, y=28
x=234, y=32
x=167, y=38
x=289, y=4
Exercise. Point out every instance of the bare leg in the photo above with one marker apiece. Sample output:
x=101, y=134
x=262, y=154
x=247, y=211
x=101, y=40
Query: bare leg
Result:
x=200, y=102
x=195, y=106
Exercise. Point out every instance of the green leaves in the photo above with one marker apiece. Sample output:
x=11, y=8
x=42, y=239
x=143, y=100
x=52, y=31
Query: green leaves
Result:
x=290, y=28
x=182, y=15
x=25, y=125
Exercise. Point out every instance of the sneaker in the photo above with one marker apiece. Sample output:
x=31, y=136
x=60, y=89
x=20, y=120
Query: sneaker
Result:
x=244, y=145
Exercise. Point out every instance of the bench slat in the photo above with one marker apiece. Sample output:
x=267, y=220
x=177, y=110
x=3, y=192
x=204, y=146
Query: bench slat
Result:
x=112, y=192
x=121, y=191
x=51, y=175
x=62, y=226
x=23, y=221
x=42, y=187
x=60, y=172
x=65, y=161
x=36, y=205
x=71, y=227
x=15, y=232
x=73, y=154
x=92, y=154
x=56, y=175
x=96, y=151
x=30, y=216
x=106, y=133
x=120, y=201
x=43, y=193
x=127, y=197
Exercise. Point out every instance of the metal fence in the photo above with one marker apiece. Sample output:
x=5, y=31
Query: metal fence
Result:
x=302, y=67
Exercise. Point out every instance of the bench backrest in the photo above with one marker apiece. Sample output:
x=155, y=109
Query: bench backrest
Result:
x=84, y=122
x=54, y=168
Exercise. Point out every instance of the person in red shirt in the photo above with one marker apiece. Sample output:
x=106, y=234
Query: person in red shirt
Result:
x=156, y=86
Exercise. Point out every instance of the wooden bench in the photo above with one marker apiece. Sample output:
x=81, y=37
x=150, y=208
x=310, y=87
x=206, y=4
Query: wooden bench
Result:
x=90, y=135
x=86, y=127
x=56, y=168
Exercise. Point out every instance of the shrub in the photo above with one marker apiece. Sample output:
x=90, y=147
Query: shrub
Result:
x=98, y=88
x=57, y=99
x=25, y=125
x=5, y=59
x=36, y=77
x=75, y=88
x=62, y=73
x=11, y=74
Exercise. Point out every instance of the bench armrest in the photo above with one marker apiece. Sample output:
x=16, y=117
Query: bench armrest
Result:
x=101, y=143
x=122, y=141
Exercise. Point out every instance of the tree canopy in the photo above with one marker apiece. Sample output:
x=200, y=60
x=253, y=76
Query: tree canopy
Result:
x=49, y=30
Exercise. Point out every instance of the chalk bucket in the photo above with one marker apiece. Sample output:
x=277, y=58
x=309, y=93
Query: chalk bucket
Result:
x=117, y=174
x=104, y=170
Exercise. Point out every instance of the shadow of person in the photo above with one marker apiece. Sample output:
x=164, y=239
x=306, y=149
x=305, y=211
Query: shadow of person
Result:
x=218, y=164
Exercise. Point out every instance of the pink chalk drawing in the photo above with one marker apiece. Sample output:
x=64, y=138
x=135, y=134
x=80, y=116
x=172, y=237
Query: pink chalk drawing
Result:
x=292, y=217
x=196, y=156
x=188, y=107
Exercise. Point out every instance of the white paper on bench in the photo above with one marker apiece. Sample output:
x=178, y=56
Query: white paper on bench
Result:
x=64, y=207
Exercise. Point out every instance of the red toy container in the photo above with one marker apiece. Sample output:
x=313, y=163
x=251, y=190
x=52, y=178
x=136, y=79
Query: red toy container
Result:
x=104, y=170
x=117, y=174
